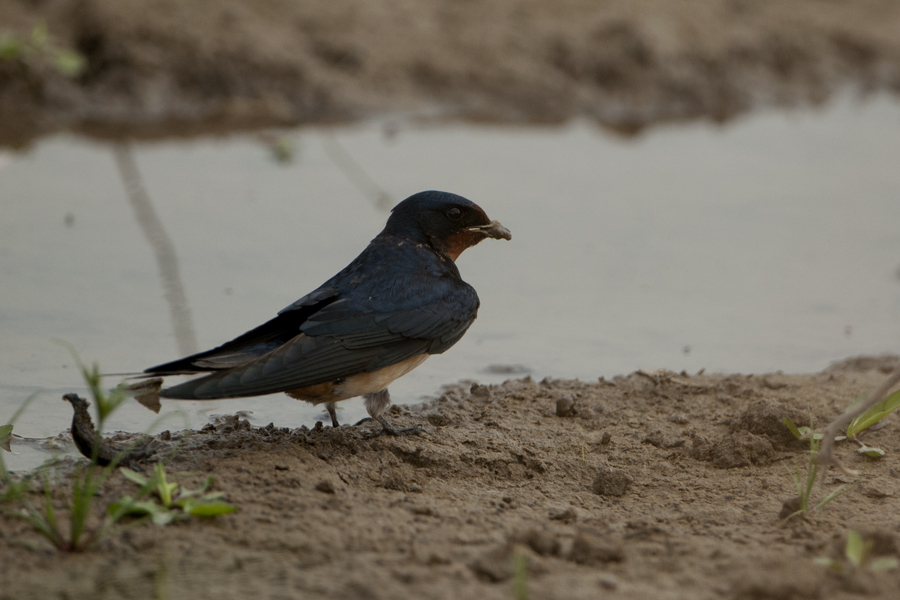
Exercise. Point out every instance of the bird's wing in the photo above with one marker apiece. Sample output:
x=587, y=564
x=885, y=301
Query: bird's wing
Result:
x=256, y=342
x=345, y=338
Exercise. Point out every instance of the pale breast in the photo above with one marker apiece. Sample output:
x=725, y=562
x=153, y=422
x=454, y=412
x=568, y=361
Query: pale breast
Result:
x=356, y=385
x=366, y=383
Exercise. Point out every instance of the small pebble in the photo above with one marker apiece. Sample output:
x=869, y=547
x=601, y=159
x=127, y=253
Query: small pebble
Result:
x=608, y=582
x=325, y=487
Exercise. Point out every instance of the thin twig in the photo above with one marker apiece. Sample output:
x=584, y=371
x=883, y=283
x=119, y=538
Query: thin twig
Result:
x=354, y=171
x=826, y=450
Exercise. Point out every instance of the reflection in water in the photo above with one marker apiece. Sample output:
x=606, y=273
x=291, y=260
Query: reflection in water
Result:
x=354, y=172
x=163, y=249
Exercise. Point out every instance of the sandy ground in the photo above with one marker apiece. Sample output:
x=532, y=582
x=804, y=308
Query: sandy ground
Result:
x=171, y=67
x=655, y=485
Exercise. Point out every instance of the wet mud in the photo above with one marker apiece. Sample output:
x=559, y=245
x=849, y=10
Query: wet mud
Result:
x=654, y=485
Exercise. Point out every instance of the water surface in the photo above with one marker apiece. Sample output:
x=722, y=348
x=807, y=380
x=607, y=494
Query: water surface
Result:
x=772, y=243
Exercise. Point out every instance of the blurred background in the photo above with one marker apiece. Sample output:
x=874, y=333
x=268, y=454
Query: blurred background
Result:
x=690, y=185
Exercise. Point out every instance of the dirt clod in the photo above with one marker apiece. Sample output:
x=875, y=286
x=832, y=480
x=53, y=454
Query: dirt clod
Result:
x=884, y=543
x=480, y=391
x=740, y=449
x=789, y=507
x=544, y=543
x=568, y=515
x=565, y=407
x=495, y=565
x=764, y=418
x=788, y=580
x=611, y=482
x=593, y=548
x=663, y=441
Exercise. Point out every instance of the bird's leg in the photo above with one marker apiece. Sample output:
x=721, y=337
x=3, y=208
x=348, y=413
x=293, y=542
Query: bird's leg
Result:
x=376, y=404
x=330, y=407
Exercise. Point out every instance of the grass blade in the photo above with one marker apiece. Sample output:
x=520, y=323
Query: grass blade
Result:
x=841, y=490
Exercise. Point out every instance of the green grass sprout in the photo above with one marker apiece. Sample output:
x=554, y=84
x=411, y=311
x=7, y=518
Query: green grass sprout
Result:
x=520, y=574
x=801, y=433
x=170, y=504
x=43, y=516
x=805, y=483
x=77, y=526
x=104, y=403
x=6, y=436
x=282, y=149
x=861, y=407
x=14, y=489
x=38, y=50
x=161, y=579
x=871, y=420
x=858, y=555
x=872, y=416
x=86, y=483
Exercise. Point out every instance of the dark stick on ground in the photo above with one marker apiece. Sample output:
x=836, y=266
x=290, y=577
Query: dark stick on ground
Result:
x=85, y=437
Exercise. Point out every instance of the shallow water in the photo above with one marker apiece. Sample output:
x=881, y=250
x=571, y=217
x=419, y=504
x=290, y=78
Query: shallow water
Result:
x=770, y=243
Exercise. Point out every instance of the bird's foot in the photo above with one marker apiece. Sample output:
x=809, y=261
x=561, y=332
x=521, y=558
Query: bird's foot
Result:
x=331, y=408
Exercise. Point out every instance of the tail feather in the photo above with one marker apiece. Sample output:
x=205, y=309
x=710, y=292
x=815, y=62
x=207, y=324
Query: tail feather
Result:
x=196, y=389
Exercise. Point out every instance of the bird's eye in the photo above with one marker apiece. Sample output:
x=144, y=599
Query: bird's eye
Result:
x=454, y=213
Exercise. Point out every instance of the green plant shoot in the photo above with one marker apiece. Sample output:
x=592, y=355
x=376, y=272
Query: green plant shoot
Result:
x=858, y=554
x=866, y=421
x=805, y=485
x=873, y=415
x=799, y=432
x=104, y=404
x=187, y=502
x=85, y=485
x=40, y=49
x=5, y=436
x=520, y=574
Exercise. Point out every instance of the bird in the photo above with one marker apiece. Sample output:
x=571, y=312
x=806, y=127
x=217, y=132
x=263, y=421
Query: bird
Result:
x=397, y=303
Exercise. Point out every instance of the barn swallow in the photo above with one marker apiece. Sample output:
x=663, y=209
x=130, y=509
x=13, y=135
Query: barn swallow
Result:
x=396, y=304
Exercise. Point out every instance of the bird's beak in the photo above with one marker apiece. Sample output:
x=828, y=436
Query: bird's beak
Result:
x=493, y=230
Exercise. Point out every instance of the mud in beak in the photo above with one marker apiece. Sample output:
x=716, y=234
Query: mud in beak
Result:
x=493, y=230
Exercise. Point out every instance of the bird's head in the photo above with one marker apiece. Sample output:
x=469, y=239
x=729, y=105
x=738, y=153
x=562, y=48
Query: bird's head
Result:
x=448, y=222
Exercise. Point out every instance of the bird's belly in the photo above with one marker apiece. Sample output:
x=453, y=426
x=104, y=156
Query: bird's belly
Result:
x=356, y=385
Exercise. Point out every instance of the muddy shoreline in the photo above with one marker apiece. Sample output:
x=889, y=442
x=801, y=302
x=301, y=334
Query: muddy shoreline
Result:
x=186, y=68
x=654, y=485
